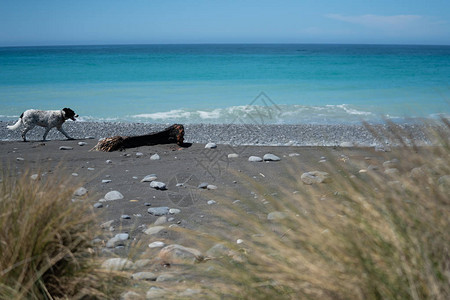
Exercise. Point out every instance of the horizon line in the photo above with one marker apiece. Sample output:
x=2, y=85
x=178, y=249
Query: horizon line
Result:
x=211, y=43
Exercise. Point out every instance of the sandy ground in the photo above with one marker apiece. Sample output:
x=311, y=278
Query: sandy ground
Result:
x=192, y=166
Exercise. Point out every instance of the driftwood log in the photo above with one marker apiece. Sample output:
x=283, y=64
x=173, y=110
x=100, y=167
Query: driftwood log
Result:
x=170, y=135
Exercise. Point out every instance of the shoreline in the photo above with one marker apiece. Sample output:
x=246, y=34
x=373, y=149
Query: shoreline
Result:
x=239, y=134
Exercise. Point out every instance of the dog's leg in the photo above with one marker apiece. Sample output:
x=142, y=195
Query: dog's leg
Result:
x=24, y=132
x=63, y=132
x=47, y=129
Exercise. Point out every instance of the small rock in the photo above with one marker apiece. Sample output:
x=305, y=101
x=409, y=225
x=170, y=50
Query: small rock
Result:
x=211, y=202
x=98, y=205
x=144, y=276
x=113, y=196
x=203, y=185
x=157, y=244
x=90, y=169
x=20, y=159
x=158, y=211
x=210, y=146
x=155, y=293
x=153, y=230
x=270, y=157
x=122, y=236
x=130, y=295
x=74, y=174
x=372, y=168
x=161, y=220
x=65, y=148
x=109, y=161
x=293, y=154
x=315, y=177
x=116, y=264
x=149, y=178
x=179, y=254
x=125, y=217
x=158, y=185
x=139, y=154
x=233, y=155
x=82, y=143
x=174, y=211
x=155, y=157
x=141, y=263
x=239, y=241
x=276, y=215
x=79, y=192
x=255, y=159
x=106, y=180
x=211, y=187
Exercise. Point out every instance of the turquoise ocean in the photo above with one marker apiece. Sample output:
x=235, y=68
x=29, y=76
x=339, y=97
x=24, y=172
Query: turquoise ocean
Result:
x=289, y=84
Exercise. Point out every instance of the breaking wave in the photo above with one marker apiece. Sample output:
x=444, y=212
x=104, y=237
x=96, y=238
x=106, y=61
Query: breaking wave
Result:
x=256, y=114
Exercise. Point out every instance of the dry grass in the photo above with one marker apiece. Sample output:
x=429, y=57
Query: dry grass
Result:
x=363, y=236
x=45, y=250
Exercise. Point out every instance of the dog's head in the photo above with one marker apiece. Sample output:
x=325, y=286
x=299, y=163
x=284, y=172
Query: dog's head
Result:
x=69, y=114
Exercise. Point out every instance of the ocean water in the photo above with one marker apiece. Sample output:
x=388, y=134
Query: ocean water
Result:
x=275, y=84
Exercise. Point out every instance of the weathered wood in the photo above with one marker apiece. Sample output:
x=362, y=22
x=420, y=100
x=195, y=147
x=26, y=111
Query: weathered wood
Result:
x=171, y=135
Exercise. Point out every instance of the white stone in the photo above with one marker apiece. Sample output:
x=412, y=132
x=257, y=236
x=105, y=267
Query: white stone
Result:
x=239, y=241
x=155, y=157
x=106, y=180
x=81, y=191
x=153, y=230
x=65, y=148
x=174, y=211
x=82, y=143
x=211, y=187
x=270, y=157
x=116, y=264
x=233, y=155
x=255, y=159
x=139, y=154
x=149, y=178
x=113, y=195
x=210, y=202
x=293, y=154
x=161, y=220
x=210, y=146
x=34, y=176
x=109, y=161
x=158, y=185
x=315, y=177
x=157, y=244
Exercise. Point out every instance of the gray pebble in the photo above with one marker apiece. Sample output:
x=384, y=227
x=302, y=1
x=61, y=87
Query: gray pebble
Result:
x=270, y=157
x=65, y=148
x=210, y=146
x=155, y=157
x=106, y=180
x=203, y=185
x=255, y=159
x=82, y=143
x=233, y=155
x=211, y=187
x=98, y=205
x=81, y=191
x=113, y=195
x=210, y=202
x=149, y=178
x=174, y=211
x=158, y=211
x=125, y=217
x=158, y=185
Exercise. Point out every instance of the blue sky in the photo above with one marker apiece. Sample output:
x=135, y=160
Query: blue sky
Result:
x=58, y=22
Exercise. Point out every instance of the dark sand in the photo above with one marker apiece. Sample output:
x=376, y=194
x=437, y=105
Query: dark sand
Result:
x=175, y=165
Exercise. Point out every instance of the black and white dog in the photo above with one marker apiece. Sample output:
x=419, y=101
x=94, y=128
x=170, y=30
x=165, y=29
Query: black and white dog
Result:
x=45, y=118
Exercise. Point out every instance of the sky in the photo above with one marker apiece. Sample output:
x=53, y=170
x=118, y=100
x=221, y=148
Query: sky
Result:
x=90, y=22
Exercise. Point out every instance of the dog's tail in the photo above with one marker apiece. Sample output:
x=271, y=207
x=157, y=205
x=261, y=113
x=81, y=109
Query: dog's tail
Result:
x=15, y=126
